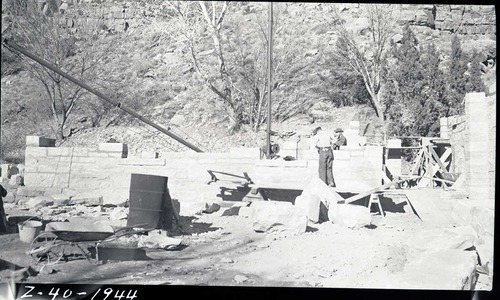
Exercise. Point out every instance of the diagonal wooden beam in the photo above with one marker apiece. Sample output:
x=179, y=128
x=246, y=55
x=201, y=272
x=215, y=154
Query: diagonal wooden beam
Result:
x=417, y=161
x=379, y=188
x=436, y=158
x=446, y=154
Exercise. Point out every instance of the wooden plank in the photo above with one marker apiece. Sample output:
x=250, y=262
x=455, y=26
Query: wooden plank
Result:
x=438, y=160
x=385, y=178
x=445, y=155
x=459, y=181
x=441, y=180
x=417, y=161
x=424, y=182
x=378, y=189
x=391, y=173
x=215, y=179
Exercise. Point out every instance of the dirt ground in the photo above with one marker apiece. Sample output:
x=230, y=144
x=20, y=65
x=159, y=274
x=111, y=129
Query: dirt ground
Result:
x=224, y=250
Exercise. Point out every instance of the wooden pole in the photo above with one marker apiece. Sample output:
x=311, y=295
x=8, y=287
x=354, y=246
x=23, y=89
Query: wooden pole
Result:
x=269, y=78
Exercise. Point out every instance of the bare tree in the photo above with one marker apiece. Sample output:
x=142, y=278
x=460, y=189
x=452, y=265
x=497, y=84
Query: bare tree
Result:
x=231, y=58
x=363, y=50
x=77, y=49
x=199, y=20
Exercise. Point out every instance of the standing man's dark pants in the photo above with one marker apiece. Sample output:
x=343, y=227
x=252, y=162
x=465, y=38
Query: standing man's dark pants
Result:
x=3, y=221
x=325, y=166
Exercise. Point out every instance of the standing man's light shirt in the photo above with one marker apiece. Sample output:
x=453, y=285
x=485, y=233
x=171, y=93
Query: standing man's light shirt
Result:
x=323, y=139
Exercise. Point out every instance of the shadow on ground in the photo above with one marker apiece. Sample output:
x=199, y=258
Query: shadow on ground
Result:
x=390, y=205
x=189, y=226
x=7, y=265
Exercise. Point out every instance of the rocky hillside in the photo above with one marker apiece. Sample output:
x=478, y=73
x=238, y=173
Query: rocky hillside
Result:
x=153, y=67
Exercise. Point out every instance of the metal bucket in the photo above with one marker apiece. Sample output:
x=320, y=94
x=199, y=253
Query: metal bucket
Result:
x=29, y=230
x=149, y=199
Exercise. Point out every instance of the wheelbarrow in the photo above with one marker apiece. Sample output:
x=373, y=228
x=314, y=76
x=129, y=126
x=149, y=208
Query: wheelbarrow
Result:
x=49, y=247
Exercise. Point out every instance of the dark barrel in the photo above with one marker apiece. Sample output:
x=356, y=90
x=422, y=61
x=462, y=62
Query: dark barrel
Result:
x=150, y=203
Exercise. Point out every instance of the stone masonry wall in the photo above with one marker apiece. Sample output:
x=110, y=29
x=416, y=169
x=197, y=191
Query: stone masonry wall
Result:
x=454, y=128
x=106, y=170
x=473, y=138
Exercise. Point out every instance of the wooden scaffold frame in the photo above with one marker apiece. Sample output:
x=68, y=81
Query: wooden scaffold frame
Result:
x=432, y=165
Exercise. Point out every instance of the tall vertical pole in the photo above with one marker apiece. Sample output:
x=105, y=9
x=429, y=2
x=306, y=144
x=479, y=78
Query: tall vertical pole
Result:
x=269, y=77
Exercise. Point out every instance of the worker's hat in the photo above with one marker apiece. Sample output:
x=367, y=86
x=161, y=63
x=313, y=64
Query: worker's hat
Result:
x=339, y=130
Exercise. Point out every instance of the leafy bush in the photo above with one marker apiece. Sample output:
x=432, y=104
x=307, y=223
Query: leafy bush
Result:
x=419, y=92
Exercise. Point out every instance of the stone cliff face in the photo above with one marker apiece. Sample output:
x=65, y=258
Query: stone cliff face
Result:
x=462, y=19
x=475, y=24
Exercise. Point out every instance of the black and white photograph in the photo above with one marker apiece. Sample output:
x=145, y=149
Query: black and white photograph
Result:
x=285, y=146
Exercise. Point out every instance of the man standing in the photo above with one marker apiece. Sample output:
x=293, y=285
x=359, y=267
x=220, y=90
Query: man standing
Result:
x=3, y=220
x=340, y=139
x=323, y=141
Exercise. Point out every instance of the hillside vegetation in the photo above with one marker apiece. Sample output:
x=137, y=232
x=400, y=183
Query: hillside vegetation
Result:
x=201, y=70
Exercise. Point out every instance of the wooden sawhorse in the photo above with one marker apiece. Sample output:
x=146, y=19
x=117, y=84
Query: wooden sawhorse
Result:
x=374, y=199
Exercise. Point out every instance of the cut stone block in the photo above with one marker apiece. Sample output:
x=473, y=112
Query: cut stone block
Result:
x=450, y=269
x=4, y=170
x=348, y=215
x=156, y=240
x=79, y=226
x=61, y=199
x=119, y=197
x=119, y=213
x=53, y=190
x=325, y=194
x=103, y=154
x=38, y=202
x=268, y=216
x=341, y=154
x=473, y=213
x=282, y=163
x=39, y=180
x=89, y=199
x=35, y=152
x=142, y=161
x=59, y=151
x=37, y=141
x=438, y=239
x=243, y=152
x=310, y=205
x=191, y=208
x=21, y=168
x=245, y=212
x=16, y=180
x=24, y=191
x=112, y=147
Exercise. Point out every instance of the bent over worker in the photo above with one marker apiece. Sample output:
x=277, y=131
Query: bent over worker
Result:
x=341, y=140
x=323, y=141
